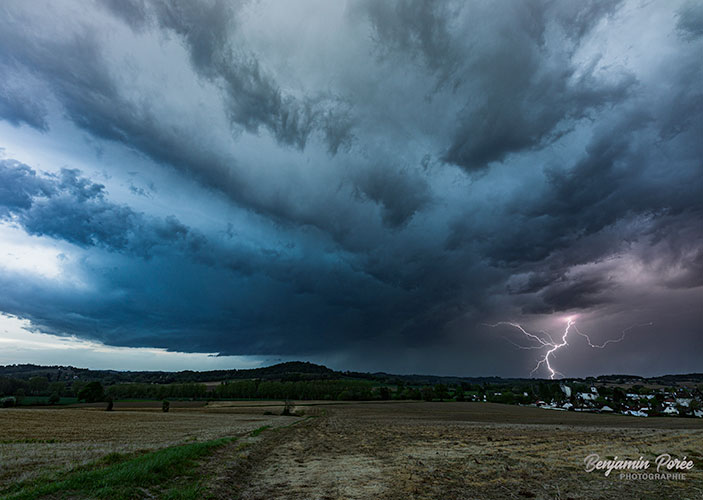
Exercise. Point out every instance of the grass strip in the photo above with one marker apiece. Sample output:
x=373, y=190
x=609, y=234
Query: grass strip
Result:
x=128, y=478
x=258, y=431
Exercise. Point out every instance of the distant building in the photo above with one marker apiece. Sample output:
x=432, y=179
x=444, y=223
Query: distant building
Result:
x=670, y=410
x=606, y=409
x=565, y=389
x=587, y=396
x=683, y=401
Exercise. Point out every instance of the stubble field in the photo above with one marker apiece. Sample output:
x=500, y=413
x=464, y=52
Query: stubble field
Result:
x=369, y=450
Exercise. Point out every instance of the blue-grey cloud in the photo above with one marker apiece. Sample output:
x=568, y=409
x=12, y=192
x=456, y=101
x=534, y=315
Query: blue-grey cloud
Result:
x=253, y=97
x=690, y=21
x=387, y=178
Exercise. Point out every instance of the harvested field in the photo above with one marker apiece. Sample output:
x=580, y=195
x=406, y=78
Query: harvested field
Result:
x=462, y=451
x=383, y=450
x=36, y=441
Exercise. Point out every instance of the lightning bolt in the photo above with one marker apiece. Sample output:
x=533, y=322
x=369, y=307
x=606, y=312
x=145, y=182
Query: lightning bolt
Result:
x=610, y=341
x=545, y=340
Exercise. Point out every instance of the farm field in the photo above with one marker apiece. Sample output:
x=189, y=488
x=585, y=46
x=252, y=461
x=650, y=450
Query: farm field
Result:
x=385, y=450
x=36, y=441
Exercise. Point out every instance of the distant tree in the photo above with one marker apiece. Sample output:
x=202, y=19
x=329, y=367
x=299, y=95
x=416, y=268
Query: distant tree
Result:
x=400, y=387
x=19, y=395
x=384, y=393
x=557, y=394
x=8, y=402
x=165, y=406
x=415, y=394
x=287, y=408
x=427, y=393
x=38, y=385
x=54, y=398
x=77, y=386
x=506, y=397
x=579, y=387
x=92, y=392
x=618, y=395
x=544, y=392
x=605, y=391
x=110, y=404
x=441, y=391
x=459, y=394
x=57, y=387
x=7, y=386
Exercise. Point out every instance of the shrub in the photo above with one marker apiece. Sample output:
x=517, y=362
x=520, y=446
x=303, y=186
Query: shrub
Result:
x=110, y=404
x=92, y=392
x=8, y=402
x=54, y=398
x=165, y=406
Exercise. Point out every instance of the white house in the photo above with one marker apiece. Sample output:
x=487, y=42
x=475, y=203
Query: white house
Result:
x=698, y=413
x=670, y=410
x=587, y=396
x=683, y=401
x=606, y=409
x=565, y=389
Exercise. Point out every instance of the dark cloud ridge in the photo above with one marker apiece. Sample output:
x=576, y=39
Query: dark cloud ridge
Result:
x=557, y=177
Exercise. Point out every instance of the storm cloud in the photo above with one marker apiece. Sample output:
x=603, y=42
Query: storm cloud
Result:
x=335, y=181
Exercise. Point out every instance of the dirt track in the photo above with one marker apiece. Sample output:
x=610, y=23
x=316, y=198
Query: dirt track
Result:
x=436, y=451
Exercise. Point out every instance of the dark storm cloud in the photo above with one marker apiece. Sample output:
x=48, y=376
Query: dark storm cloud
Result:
x=72, y=208
x=569, y=294
x=19, y=184
x=306, y=296
x=253, y=97
x=351, y=225
x=400, y=193
x=17, y=107
x=690, y=20
x=417, y=28
x=84, y=83
x=529, y=90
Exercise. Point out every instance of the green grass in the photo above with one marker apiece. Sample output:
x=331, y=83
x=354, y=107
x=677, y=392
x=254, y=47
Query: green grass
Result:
x=258, y=431
x=170, y=472
x=44, y=401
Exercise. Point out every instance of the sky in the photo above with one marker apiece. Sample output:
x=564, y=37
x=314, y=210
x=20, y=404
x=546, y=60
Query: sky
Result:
x=377, y=186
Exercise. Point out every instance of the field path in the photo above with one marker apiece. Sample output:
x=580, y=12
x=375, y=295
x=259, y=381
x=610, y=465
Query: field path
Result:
x=438, y=451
